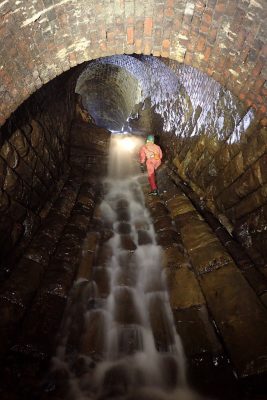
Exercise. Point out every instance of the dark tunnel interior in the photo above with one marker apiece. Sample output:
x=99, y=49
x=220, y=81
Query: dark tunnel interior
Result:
x=210, y=221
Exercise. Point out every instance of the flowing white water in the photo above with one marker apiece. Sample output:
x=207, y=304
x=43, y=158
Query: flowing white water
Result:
x=127, y=347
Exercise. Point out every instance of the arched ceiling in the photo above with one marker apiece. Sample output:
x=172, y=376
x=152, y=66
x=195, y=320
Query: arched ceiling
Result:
x=224, y=38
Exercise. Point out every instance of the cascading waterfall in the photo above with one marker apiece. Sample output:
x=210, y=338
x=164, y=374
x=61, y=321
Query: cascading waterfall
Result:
x=119, y=339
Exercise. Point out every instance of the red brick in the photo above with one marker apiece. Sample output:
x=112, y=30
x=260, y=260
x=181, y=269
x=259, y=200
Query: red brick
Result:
x=259, y=82
x=148, y=26
x=130, y=35
x=166, y=44
x=220, y=8
x=212, y=35
x=264, y=50
x=170, y=3
x=207, y=18
x=204, y=28
x=248, y=102
x=257, y=69
x=201, y=43
x=188, y=58
x=207, y=53
x=169, y=12
x=138, y=46
x=147, y=46
x=263, y=121
x=177, y=22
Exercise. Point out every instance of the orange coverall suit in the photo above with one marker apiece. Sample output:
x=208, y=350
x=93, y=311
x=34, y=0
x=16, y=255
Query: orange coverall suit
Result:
x=152, y=154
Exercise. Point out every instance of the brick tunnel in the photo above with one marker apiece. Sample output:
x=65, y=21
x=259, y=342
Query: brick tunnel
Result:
x=74, y=74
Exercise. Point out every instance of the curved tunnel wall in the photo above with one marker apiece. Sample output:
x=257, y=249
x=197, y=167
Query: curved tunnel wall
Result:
x=209, y=138
x=227, y=41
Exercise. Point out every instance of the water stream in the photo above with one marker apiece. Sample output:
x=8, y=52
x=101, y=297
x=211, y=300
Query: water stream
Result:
x=119, y=339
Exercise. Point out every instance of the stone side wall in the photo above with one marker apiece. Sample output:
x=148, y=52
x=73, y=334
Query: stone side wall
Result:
x=227, y=40
x=231, y=178
x=33, y=156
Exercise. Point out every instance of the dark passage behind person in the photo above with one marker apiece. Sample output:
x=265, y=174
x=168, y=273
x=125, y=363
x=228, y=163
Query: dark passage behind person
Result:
x=151, y=155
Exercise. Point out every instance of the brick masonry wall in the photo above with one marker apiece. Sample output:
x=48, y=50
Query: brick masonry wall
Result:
x=224, y=38
x=33, y=157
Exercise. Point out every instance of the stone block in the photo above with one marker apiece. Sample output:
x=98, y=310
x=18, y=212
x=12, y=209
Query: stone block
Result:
x=200, y=236
x=168, y=238
x=183, y=287
x=179, y=204
x=240, y=318
x=125, y=309
x=102, y=279
x=163, y=335
x=93, y=337
x=174, y=257
x=249, y=203
x=39, y=330
x=23, y=282
x=88, y=255
x=163, y=223
x=210, y=256
x=188, y=321
x=188, y=218
x=158, y=210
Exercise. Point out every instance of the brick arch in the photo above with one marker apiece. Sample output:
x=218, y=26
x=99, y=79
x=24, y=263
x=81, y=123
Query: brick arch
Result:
x=225, y=39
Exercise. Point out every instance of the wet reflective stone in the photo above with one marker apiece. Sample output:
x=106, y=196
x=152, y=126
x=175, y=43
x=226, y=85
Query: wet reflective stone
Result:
x=168, y=238
x=210, y=257
x=122, y=204
x=158, y=210
x=123, y=215
x=102, y=280
x=124, y=228
x=127, y=243
x=93, y=337
x=159, y=322
x=174, y=257
x=104, y=255
x=41, y=248
x=43, y=320
x=127, y=276
x=163, y=223
x=125, y=309
x=115, y=382
x=130, y=340
x=179, y=204
x=170, y=371
x=183, y=287
x=196, y=319
x=240, y=317
x=197, y=237
x=144, y=237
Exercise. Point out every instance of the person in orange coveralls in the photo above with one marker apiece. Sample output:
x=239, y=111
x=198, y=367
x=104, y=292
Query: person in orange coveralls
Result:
x=150, y=154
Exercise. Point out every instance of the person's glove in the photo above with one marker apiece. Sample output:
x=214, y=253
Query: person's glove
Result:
x=142, y=168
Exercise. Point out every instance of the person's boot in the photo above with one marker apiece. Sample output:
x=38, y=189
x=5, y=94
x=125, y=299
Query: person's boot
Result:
x=154, y=192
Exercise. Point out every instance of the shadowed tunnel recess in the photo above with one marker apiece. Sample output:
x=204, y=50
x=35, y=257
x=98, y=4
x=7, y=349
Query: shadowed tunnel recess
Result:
x=71, y=276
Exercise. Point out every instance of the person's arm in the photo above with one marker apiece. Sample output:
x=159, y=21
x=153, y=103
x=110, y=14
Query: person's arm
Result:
x=142, y=159
x=142, y=155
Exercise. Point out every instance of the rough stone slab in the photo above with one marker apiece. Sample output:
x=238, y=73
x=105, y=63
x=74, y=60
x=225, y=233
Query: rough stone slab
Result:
x=93, y=338
x=88, y=255
x=184, y=289
x=211, y=256
x=240, y=317
x=190, y=217
x=37, y=336
x=179, y=204
x=174, y=257
x=197, y=332
x=198, y=236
